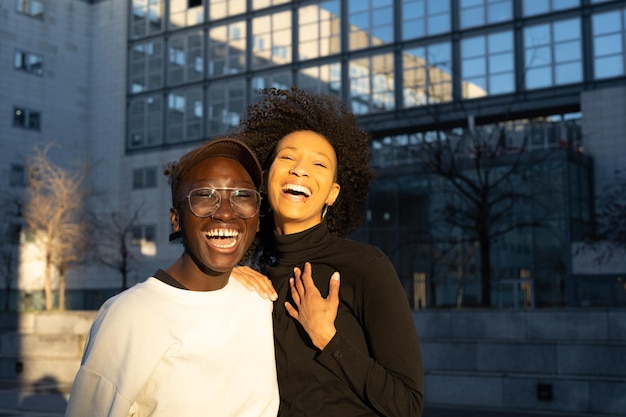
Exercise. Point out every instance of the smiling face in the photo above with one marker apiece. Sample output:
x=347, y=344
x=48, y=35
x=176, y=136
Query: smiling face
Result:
x=301, y=181
x=216, y=243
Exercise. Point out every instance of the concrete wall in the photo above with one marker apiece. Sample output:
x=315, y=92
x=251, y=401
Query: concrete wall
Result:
x=498, y=359
x=541, y=360
x=43, y=346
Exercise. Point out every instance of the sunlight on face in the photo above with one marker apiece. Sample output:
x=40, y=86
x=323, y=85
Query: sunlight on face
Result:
x=301, y=181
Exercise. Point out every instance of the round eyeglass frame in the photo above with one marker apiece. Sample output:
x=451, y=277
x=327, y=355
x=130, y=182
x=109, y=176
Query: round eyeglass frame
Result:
x=230, y=201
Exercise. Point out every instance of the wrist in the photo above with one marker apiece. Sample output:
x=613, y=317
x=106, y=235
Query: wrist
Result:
x=322, y=339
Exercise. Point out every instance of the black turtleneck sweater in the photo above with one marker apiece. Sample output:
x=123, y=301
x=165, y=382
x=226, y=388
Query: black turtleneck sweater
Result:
x=372, y=366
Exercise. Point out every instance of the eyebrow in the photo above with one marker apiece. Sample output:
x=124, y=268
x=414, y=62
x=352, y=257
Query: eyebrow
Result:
x=315, y=152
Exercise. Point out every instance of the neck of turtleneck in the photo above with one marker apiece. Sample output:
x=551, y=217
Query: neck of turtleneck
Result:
x=300, y=247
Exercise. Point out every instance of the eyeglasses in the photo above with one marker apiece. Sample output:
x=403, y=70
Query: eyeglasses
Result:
x=204, y=202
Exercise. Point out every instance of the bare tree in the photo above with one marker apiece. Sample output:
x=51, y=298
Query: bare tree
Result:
x=113, y=247
x=483, y=185
x=53, y=211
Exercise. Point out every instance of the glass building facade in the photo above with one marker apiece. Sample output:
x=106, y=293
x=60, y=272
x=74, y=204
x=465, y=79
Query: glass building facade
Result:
x=415, y=71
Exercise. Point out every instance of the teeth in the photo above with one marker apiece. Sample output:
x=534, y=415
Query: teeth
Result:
x=222, y=233
x=298, y=189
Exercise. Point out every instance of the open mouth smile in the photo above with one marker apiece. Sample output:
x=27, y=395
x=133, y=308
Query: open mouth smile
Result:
x=297, y=190
x=222, y=238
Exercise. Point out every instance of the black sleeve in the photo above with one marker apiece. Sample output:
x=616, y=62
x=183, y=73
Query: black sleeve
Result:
x=391, y=379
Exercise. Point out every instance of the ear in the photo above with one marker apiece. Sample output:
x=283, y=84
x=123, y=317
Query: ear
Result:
x=174, y=220
x=334, y=193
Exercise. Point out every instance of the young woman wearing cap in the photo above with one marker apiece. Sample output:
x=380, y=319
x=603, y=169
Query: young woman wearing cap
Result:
x=189, y=341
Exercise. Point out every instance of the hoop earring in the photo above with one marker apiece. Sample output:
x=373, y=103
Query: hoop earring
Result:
x=324, y=211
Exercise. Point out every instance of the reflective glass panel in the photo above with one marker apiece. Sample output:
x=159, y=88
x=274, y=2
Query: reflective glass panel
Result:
x=323, y=79
x=227, y=49
x=146, y=17
x=425, y=17
x=279, y=79
x=226, y=103
x=223, y=8
x=184, y=13
x=185, y=60
x=487, y=65
x=609, y=39
x=271, y=40
x=146, y=66
x=553, y=54
x=370, y=22
x=426, y=75
x=372, y=84
x=535, y=7
x=145, y=118
x=261, y=4
x=481, y=12
x=184, y=115
x=319, y=30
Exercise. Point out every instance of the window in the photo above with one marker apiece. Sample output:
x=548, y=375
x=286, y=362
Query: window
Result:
x=481, y=12
x=261, y=4
x=145, y=177
x=487, y=65
x=420, y=18
x=143, y=234
x=224, y=8
x=146, y=66
x=185, y=61
x=535, y=7
x=609, y=36
x=147, y=17
x=227, y=49
x=28, y=62
x=185, y=13
x=33, y=8
x=323, y=79
x=319, y=29
x=370, y=22
x=17, y=176
x=184, y=115
x=145, y=122
x=372, y=84
x=225, y=105
x=27, y=119
x=427, y=75
x=280, y=80
x=271, y=40
x=553, y=54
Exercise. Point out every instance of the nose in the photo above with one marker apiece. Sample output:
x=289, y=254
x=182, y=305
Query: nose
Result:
x=298, y=171
x=224, y=212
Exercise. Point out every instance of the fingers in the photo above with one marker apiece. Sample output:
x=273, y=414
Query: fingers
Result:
x=307, y=277
x=255, y=281
x=315, y=313
x=295, y=292
x=333, y=288
x=291, y=310
x=296, y=282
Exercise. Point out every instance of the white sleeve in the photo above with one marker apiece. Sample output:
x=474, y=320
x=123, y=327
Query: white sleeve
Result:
x=94, y=396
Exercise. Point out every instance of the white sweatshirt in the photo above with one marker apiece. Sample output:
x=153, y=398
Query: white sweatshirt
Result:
x=155, y=350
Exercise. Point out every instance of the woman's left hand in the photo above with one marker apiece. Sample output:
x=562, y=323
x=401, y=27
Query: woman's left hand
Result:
x=255, y=281
x=315, y=313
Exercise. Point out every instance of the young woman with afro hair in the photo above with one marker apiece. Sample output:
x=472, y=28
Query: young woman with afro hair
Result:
x=345, y=340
